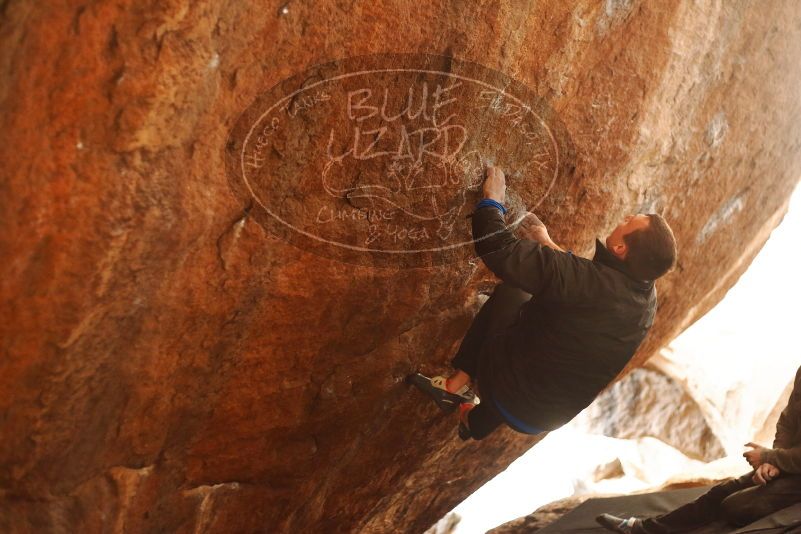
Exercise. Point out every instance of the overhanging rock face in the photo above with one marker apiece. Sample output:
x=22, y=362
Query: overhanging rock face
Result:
x=207, y=314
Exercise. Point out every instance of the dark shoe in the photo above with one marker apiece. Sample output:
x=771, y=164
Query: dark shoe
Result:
x=618, y=524
x=464, y=432
x=446, y=401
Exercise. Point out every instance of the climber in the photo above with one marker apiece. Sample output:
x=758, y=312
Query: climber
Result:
x=558, y=328
x=773, y=484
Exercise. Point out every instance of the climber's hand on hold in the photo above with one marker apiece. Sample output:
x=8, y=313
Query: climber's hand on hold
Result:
x=495, y=184
x=531, y=227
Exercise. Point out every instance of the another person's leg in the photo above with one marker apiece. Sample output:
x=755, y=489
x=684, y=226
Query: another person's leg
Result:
x=704, y=509
x=750, y=504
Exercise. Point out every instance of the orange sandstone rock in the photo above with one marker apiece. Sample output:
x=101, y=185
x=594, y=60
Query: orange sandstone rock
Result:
x=174, y=361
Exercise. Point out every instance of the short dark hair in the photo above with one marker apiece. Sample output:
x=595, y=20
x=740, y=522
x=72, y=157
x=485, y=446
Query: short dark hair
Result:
x=652, y=250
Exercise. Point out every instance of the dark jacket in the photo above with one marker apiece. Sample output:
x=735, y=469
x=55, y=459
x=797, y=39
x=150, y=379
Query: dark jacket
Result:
x=582, y=326
x=786, y=451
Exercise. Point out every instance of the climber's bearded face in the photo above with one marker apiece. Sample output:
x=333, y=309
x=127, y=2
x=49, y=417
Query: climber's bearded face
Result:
x=615, y=242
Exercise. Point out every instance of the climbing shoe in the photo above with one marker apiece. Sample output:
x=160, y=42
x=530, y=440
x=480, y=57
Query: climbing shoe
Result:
x=435, y=388
x=618, y=524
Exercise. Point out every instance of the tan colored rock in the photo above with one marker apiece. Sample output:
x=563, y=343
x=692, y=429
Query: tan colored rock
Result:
x=649, y=403
x=446, y=525
x=613, y=469
x=171, y=362
x=541, y=517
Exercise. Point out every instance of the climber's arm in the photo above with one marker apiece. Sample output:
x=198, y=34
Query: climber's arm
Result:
x=528, y=265
x=786, y=451
x=790, y=418
x=531, y=265
x=531, y=227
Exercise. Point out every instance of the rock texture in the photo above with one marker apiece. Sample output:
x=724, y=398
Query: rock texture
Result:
x=541, y=517
x=649, y=403
x=169, y=365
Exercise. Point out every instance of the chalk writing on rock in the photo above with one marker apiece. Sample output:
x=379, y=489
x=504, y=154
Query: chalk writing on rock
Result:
x=378, y=160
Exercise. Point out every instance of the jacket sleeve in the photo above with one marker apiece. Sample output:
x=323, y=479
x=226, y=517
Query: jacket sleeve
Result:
x=787, y=460
x=786, y=454
x=523, y=263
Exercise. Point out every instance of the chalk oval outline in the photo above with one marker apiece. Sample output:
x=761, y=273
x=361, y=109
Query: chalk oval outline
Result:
x=321, y=239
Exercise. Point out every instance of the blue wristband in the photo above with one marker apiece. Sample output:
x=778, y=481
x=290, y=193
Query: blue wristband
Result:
x=491, y=202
